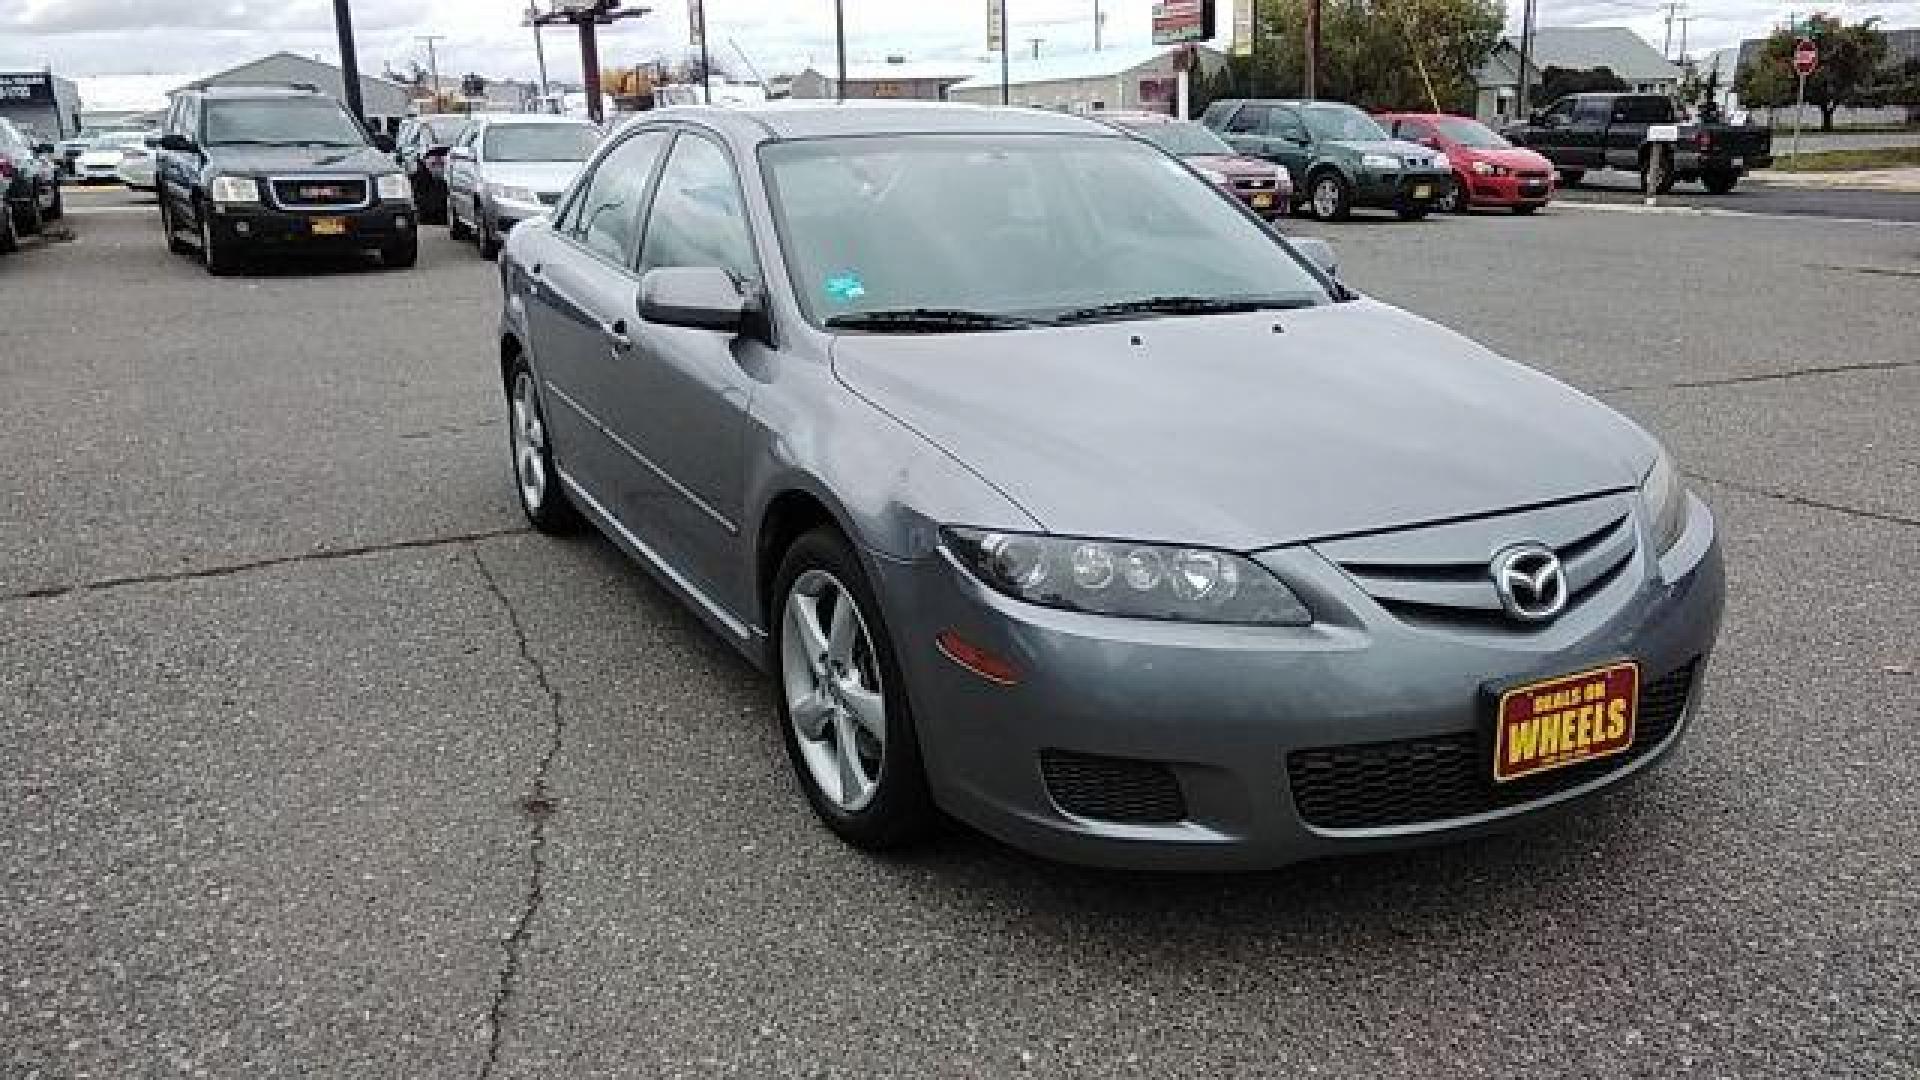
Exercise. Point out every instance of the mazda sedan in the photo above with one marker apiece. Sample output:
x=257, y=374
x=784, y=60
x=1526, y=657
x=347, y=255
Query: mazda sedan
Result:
x=1059, y=494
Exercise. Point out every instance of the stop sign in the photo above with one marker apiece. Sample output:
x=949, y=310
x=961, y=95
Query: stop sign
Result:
x=1806, y=56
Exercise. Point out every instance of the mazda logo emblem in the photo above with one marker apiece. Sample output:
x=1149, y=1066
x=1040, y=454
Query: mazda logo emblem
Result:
x=1530, y=581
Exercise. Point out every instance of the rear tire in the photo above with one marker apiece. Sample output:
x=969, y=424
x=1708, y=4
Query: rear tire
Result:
x=1719, y=183
x=171, y=229
x=9, y=235
x=1524, y=209
x=1571, y=177
x=534, y=475
x=26, y=218
x=874, y=793
x=1329, y=196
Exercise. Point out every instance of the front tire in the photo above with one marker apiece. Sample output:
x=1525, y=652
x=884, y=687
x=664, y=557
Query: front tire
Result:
x=9, y=236
x=456, y=229
x=401, y=253
x=841, y=699
x=59, y=208
x=1456, y=200
x=171, y=228
x=489, y=240
x=220, y=259
x=26, y=219
x=534, y=475
x=1330, y=197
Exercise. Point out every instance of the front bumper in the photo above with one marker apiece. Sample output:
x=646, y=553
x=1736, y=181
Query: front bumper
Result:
x=1400, y=188
x=1509, y=190
x=255, y=224
x=1229, y=713
x=506, y=213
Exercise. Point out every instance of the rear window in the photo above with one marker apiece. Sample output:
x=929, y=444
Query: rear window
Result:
x=540, y=142
x=1643, y=110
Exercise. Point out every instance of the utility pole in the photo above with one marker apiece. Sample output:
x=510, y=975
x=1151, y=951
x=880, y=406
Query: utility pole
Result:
x=433, y=65
x=1036, y=42
x=706, y=65
x=840, y=47
x=1666, y=48
x=1311, y=83
x=1684, y=20
x=349, y=62
x=1099, y=22
x=1006, y=87
x=1521, y=111
x=1253, y=50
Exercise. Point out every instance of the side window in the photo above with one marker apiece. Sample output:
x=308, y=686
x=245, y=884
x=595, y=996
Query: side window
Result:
x=1415, y=130
x=1285, y=124
x=605, y=215
x=1561, y=111
x=699, y=216
x=1251, y=118
x=1592, y=112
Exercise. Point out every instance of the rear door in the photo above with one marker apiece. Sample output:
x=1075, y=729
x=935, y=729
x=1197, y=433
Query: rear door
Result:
x=1246, y=130
x=1586, y=136
x=1291, y=143
x=682, y=398
x=1627, y=130
x=580, y=302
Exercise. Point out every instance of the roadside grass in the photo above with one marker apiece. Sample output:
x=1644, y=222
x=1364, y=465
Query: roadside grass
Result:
x=1878, y=157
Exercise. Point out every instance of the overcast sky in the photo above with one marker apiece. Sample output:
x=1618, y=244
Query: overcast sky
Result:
x=192, y=37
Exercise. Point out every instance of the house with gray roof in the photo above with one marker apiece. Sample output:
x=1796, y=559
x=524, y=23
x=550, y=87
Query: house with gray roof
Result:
x=1616, y=48
x=1140, y=78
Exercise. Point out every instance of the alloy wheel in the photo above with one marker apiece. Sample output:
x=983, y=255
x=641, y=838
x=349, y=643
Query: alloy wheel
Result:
x=529, y=444
x=1326, y=197
x=830, y=675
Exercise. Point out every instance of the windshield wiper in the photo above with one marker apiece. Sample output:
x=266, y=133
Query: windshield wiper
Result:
x=1175, y=305
x=926, y=321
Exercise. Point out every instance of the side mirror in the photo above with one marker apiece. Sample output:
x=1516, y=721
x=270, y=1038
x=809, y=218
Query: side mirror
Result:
x=383, y=142
x=696, y=297
x=1319, y=251
x=1429, y=142
x=177, y=143
x=1537, y=118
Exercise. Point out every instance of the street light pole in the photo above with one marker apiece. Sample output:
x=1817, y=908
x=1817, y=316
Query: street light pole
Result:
x=1526, y=53
x=349, y=61
x=1006, y=89
x=539, y=51
x=433, y=65
x=840, y=48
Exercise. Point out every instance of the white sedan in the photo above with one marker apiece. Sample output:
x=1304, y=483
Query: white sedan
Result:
x=118, y=156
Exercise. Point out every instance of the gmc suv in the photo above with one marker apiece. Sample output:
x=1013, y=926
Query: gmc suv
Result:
x=245, y=169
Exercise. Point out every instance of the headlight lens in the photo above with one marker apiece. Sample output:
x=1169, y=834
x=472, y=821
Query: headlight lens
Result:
x=1127, y=580
x=512, y=192
x=392, y=186
x=1482, y=168
x=1663, y=498
x=1381, y=162
x=1212, y=176
x=234, y=189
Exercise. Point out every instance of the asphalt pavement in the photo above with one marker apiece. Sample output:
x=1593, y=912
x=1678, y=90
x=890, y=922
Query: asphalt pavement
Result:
x=320, y=764
x=1754, y=195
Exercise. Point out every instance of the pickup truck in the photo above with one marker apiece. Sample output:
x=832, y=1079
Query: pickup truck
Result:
x=1642, y=133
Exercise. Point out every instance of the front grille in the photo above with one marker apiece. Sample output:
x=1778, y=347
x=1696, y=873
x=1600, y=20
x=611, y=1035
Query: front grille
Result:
x=1410, y=781
x=319, y=193
x=1247, y=183
x=1533, y=174
x=1113, y=789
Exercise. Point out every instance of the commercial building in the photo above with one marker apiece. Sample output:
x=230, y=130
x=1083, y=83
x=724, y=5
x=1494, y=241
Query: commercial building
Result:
x=386, y=101
x=1145, y=78
x=41, y=104
x=898, y=78
x=1579, y=48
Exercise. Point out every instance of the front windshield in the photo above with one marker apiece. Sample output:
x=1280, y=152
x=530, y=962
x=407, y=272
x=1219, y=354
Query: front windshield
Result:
x=1183, y=138
x=1026, y=227
x=1331, y=122
x=1470, y=133
x=121, y=139
x=300, y=121
x=540, y=142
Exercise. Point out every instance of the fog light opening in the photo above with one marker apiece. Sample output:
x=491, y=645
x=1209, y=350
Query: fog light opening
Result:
x=976, y=659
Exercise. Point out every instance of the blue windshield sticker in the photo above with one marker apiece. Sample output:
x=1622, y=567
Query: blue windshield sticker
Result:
x=845, y=287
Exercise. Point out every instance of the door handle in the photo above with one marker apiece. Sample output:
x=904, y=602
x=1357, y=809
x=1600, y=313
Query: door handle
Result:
x=616, y=332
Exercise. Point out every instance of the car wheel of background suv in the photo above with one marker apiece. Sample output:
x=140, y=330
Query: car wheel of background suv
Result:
x=220, y=259
x=841, y=698
x=1329, y=196
x=401, y=253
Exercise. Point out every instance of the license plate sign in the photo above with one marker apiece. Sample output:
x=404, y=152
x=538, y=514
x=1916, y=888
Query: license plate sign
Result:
x=1422, y=191
x=328, y=226
x=1262, y=200
x=1565, y=721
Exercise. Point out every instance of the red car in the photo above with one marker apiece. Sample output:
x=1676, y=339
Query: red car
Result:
x=1262, y=185
x=1487, y=169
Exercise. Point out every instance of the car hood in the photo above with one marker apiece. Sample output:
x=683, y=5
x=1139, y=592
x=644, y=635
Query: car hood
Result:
x=1513, y=158
x=100, y=157
x=538, y=175
x=1397, y=147
x=1226, y=432
x=1234, y=165
x=301, y=160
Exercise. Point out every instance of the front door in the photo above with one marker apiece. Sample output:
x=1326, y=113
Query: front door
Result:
x=682, y=400
x=1291, y=145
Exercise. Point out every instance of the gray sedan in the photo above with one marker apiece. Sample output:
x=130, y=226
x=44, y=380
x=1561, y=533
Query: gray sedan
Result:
x=1060, y=494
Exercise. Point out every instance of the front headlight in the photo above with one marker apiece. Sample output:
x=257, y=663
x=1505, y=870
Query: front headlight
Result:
x=1212, y=176
x=512, y=193
x=1663, y=499
x=392, y=186
x=1481, y=168
x=234, y=189
x=1126, y=580
x=1379, y=162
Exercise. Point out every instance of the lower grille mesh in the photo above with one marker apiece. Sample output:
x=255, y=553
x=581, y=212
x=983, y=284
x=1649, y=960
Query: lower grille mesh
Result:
x=1378, y=785
x=1113, y=789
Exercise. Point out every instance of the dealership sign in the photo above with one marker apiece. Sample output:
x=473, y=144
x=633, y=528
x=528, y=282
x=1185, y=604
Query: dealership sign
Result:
x=1178, y=21
x=35, y=88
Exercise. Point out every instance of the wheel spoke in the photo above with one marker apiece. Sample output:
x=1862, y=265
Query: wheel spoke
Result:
x=843, y=633
x=847, y=753
x=811, y=714
x=803, y=613
x=868, y=709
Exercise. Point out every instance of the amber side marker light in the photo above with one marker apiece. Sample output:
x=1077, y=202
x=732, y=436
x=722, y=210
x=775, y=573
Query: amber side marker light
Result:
x=976, y=659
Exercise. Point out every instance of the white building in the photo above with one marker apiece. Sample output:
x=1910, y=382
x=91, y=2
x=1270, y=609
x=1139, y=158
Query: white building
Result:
x=1136, y=79
x=897, y=78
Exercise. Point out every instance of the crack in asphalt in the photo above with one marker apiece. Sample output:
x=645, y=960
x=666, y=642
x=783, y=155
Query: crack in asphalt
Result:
x=1812, y=504
x=46, y=592
x=1773, y=376
x=538, y=805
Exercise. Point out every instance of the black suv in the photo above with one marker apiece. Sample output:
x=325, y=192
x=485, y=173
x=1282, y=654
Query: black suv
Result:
x=250, y=168
x=29, y=186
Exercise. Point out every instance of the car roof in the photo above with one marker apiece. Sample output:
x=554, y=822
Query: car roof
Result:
x=783, y=120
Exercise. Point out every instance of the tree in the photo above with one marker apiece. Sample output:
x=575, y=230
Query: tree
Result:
x=1850, y=62
x=1703, y=91
x=1377, y=54
x=1558, y=82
